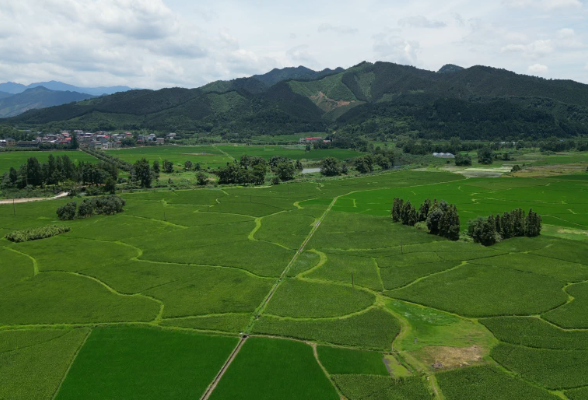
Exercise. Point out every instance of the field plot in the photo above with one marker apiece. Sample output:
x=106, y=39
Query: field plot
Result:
x=140, y=363
x=268, y=369
x=207, y=156
x=151, y=302
x=488, y=383
x=15, y=159
x=33, y=363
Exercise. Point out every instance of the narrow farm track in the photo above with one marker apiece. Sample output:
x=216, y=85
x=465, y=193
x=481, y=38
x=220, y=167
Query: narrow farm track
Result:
x=263, y=305
x=223, y=369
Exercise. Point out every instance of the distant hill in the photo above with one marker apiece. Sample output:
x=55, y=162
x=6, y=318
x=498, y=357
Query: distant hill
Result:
x=34, y=98
x=370, y=99
x=4, y=94
x=449, y=68
x=15, y=88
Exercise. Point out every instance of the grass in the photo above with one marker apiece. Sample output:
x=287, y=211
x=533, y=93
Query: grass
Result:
x=369, y=387
x=202, y=261
x=33, y=363
x=553, y=369
x=15, y=159
x=373, y=330
x=577, y=394
x=143, y=363
x=481, y=291
x=487, y=383
x=431, y=327
x=573, y=314
x=534, y=332
x=267, y=369
x=51, y=298
x=345, y=361
x=300, y=299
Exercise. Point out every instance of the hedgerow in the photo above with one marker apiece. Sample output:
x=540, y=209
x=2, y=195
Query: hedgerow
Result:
x=37, y=233
x=441, y=218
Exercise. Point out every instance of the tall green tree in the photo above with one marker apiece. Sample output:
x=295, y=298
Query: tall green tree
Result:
x=142, y=173
x=330, y=167
x=285, y=171
x=168, y=167
x=34, y=172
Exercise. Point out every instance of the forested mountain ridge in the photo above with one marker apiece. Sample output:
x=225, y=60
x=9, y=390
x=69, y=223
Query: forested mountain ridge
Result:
x=370, y=99
x=38, y=97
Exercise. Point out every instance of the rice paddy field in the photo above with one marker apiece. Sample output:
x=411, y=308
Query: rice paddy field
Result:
x=298, y=291
x=17, y=158
x=218, y=155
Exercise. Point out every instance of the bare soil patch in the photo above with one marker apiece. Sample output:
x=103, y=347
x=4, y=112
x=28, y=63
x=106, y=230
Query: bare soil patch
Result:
x=443, y=357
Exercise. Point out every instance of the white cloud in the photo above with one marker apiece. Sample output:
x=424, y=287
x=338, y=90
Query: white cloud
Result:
x=389, y=46
x=544, y=4
x=419, y=21
x=341, y=29
x=538, y=69
x=536, y=49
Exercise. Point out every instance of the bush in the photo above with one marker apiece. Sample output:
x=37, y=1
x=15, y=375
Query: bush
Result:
x=68, y=211
x=463, y=160
x=37, y=233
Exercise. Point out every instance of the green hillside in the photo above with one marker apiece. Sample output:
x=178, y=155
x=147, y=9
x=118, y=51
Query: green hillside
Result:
x=369, y=99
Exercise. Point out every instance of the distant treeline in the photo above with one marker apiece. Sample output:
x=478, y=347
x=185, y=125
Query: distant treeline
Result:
x=57, y=170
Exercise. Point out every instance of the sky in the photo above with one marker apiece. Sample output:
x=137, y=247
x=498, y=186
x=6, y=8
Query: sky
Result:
x=165, y=43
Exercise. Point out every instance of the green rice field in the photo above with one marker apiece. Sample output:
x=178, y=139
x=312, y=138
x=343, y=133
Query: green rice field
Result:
x=299, y=291
x=15, y=159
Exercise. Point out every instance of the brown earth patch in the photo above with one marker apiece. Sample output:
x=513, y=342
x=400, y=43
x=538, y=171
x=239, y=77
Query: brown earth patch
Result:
x=327, y=104
x=551, y=170
x=442, y=357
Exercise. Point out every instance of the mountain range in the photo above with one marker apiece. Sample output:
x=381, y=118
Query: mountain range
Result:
x=37, y=97
x=15, y=88
x=370, y=99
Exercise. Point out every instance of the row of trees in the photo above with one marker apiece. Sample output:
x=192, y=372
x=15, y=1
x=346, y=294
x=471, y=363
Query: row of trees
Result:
x=441, y=218
x=493, y=229
x=104, y=205
x=250, y=170
x=364, y=164
x=56, y=170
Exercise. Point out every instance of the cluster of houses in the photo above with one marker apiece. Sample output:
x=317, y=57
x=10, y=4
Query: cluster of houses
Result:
x=95, y=140
x=310, y=140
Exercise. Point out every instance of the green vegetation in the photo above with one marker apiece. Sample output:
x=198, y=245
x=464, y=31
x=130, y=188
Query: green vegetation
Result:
x=37, y=233
x=316, y=261
x=291, y=365
x=374, y=329
x=554, y=369
x=33, y=362
x=141, y=363
x=572, y=314
x=369, y=387
x=533, y=332
x=344, y=361
x=487, y=383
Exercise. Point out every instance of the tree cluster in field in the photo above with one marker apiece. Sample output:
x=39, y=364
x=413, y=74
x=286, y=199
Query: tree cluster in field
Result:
x=56, y=170
x=493, y=229
x=441, y=218
x=37, y=233
x=250, y=170
x=103, y=205
x=366, y=163
x=332, y=167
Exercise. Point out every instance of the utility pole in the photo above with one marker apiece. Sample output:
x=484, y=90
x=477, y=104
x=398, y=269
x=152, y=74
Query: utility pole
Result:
x=14, y=206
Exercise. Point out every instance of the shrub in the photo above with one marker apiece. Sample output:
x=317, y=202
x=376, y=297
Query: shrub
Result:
x=37, y=233
x=68, y=211
x=463, y=160
x=330, y=167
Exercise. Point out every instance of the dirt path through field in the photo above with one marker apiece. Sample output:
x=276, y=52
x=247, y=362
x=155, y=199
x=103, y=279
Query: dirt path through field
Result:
x=30, y=199
x=223, y=369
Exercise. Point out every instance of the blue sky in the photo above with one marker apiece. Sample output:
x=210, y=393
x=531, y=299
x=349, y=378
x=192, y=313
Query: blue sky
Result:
x=163, y=43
